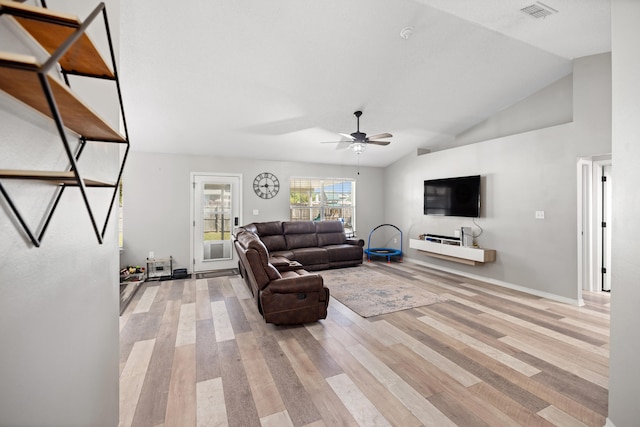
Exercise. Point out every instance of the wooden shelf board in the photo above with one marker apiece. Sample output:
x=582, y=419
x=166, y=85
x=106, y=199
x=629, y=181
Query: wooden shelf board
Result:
x=53, y=177
x=18, y=78
x=50, y=29
x=10, y=59
x=35, y=12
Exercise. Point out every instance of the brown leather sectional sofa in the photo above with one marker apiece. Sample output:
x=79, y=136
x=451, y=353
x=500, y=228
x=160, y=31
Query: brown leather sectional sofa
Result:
x=317, y=245
x=274, y=259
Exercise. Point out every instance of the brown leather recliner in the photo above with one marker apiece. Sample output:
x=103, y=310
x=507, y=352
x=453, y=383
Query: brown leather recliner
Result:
x=290, y=296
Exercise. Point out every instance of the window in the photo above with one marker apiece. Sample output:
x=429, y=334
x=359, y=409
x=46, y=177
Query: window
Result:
x=318, y=199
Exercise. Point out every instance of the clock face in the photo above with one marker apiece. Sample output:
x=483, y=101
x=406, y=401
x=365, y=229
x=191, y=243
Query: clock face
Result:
x=266, y=185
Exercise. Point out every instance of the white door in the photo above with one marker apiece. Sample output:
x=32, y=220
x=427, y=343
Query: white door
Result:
x=216, y=211
x=606, y=228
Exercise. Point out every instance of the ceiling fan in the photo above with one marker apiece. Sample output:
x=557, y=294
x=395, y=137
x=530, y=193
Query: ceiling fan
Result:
x=358, y=141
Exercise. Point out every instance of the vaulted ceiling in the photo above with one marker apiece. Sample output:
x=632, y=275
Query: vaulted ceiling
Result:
x=273, y=79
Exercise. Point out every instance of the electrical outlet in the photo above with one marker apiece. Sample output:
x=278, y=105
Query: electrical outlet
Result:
x=539, y=214
x=456, y=233
x=395, y=240
x=256, y=212
x=151, y=255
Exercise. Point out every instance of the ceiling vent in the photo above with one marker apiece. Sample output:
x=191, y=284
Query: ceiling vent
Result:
x=539, y=10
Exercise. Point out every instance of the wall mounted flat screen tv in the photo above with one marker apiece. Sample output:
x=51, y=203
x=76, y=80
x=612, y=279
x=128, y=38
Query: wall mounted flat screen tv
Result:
x=453, y=196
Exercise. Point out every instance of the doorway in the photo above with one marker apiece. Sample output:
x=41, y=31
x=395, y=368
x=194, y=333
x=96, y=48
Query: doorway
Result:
x=594, y=223
x=216, y=210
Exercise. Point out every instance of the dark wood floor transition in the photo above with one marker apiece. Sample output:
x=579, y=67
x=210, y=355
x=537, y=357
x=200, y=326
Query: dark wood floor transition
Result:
x=196, y=352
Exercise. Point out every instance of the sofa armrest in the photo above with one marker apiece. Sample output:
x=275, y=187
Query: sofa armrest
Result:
x=292, y=285
x=279, y=261
x=283, y=264
x=355, y=242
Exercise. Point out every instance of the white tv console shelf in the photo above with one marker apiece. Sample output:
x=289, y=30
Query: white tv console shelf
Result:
x=451, y=252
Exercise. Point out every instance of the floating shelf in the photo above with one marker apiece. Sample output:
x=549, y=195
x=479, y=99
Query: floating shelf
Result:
x=64, y=37
x=456, y=253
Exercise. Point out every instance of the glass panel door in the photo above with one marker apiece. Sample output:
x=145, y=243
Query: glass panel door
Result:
x=216, y=213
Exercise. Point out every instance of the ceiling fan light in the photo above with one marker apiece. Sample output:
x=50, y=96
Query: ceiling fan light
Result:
x=358, y=147
x=406, y=32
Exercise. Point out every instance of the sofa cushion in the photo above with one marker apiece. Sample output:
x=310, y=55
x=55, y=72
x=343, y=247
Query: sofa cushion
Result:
x=271, y=234
x=300, y=234
x=330, y=233
x=325, y=239
x=274, y=243
x=344, y=252
x=329, y=226
x=295, y=241
x=298, y=227
x=310, y=256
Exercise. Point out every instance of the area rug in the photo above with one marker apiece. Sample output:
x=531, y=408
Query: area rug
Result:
x=370, y=293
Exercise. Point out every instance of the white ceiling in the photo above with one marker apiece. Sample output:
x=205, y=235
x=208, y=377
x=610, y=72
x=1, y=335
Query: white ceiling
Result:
x=272, y=79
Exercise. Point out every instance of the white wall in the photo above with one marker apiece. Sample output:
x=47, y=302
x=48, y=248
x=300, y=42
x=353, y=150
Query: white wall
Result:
x=550, y=106
x=522, y=173
x=624, y=374
x=59, y=304
x=157, y=205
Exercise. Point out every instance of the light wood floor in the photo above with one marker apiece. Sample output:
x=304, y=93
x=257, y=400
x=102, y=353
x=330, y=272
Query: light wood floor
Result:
x=196, y=352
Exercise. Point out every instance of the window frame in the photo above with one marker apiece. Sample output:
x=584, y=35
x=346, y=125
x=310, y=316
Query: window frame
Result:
x=323, y=198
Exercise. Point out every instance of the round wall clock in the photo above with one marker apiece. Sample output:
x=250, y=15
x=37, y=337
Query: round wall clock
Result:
x=266, y=185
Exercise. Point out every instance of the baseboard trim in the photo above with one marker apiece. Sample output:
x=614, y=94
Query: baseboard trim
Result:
x=216, y=273
x=504, y=284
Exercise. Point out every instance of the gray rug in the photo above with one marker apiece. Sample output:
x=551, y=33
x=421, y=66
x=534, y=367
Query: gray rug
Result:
x=370, y=293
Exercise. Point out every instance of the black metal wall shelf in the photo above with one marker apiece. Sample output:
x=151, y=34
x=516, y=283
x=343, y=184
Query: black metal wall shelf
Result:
x=64, y=37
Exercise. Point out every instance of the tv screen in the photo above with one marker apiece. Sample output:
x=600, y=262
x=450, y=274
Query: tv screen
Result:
x=453, y=196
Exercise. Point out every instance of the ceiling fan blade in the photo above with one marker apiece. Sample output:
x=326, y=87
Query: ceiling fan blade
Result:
x=382, y=135
x=358, y=139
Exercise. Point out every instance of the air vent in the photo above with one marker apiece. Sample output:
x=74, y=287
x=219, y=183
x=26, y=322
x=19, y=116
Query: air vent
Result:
x=539, y=10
